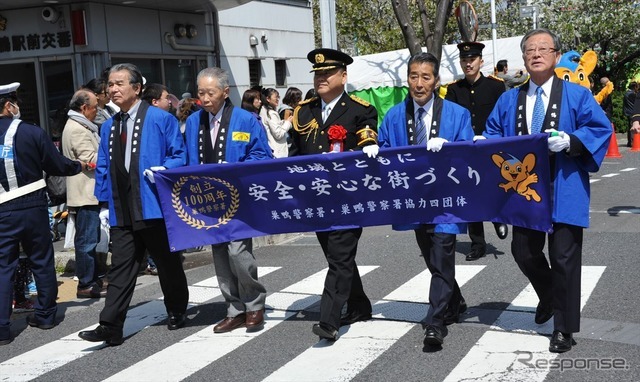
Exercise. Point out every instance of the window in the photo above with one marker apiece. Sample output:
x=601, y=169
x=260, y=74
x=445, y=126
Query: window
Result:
x=255, y=73
x=281, y=73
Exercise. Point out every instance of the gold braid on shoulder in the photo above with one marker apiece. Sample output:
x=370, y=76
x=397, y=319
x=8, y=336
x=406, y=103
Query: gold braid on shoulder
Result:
x=303, y=128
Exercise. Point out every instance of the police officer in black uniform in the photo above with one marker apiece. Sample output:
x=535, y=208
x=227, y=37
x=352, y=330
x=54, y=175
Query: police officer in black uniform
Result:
x=25, y=152
x=478, y=94
x=314, y=121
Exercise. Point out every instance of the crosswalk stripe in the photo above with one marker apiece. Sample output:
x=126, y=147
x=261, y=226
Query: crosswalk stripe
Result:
x=417, y=289
x=361, y=343
x=205, y=347
x=358, y=346
x=500, y=355
x=409, y=301
x=30, y=365
x=508, y=351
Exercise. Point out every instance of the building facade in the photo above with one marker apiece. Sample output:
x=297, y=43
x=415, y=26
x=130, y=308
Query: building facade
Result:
x=54, y=46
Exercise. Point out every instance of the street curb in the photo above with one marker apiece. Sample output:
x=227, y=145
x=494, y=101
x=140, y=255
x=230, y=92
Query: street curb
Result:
x=65, y=259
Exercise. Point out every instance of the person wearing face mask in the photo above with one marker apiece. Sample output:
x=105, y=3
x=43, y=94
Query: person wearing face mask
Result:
x=26, y=151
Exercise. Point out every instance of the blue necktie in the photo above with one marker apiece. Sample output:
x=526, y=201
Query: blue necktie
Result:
x=538, y=113
x=421, y=135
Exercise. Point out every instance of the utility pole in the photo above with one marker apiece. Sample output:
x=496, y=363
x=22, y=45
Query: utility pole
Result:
x=328, y=23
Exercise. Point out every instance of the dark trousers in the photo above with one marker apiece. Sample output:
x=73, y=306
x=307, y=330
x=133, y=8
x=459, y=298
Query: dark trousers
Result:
x=476, y=234
x=439, y=250
x=30, y=227
x=128, y=248
x=556, y=281
x=342, y=284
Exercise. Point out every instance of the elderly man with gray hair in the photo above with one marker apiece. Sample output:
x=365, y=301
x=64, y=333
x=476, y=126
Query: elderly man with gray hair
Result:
x=80, y=141
x=222, y=133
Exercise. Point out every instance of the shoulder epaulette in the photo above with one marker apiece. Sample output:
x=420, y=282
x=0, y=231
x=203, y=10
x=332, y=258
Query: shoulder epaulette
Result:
x=360, y=100
x=518, y=85
x=306, y=101
x=495, y=78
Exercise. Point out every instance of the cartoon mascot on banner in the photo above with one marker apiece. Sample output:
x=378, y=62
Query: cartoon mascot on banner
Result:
x=575, y=68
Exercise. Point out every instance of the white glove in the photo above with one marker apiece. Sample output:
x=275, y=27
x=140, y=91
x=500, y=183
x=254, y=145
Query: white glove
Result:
x=104, y=216
x=371, y=150
x=558, y=140
x=559, y=143
x=435, y=144
x=478, y=137
x=149, y=172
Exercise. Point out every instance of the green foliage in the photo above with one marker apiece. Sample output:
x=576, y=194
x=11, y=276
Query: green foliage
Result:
x=606, y=26
x=618, y=118
x=366, y=27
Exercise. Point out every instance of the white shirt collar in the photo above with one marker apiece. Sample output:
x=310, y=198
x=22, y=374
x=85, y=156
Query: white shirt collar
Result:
x=427, y=106
x=217, y=116
x=332, y=103
x=133, y=111
x=546, y=88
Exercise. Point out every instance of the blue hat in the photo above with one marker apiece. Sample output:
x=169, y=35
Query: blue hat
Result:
x=6, y=90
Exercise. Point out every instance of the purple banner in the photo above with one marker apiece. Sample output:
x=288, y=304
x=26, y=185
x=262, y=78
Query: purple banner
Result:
x=501, y=180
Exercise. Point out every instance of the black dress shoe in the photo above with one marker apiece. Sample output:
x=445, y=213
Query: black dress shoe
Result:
x=176, y=321
x=111, y=336
x=32, y=321
x=561, y=342
x=353, y=317
x=453, y=312
x=6, y=341
x=475, y=254
x=434, y=335
x=502, y=230
x=544, y=312
x=325, y=331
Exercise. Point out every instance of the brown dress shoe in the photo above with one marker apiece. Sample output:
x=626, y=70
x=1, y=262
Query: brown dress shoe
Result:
x=230, y=323
x=254, y=320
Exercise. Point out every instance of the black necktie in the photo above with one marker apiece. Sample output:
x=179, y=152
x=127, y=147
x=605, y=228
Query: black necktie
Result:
x=123, y=129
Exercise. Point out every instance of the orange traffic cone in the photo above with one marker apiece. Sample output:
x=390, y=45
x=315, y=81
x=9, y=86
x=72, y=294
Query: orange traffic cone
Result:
x=612, y=151
x=635, y=147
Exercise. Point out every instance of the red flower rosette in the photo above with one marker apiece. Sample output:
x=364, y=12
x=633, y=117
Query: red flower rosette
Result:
x=337, y=135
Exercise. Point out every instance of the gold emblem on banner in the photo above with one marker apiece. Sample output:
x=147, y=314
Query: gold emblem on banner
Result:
x=192, y=201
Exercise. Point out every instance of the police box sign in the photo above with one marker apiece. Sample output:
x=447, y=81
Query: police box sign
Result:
x=28, y=33
x=35, y=41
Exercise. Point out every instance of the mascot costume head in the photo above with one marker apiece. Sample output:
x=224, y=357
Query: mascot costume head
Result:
x=575, y=68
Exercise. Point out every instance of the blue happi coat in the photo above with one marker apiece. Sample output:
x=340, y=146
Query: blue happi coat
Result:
x=160, y=144
x=455, y=125
x=584, y=119
x=245, y=138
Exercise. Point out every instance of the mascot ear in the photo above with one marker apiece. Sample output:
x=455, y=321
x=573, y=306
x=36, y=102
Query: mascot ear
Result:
x=589, y=60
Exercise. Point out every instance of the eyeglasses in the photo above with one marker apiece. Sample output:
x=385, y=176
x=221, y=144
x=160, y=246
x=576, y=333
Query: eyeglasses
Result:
x=542, y=51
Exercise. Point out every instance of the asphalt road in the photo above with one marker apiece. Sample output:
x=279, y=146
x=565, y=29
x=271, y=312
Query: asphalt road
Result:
x=496, y=340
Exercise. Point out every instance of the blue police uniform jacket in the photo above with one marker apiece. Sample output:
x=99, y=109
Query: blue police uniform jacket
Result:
x=34, y=152
x=590, y=131
x=455, y=125
x=161, y=145
x=244, y=137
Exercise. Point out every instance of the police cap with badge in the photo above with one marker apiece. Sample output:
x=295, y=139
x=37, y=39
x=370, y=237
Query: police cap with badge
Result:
x=470, y=49
x=328, y=59
x=9, y=91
